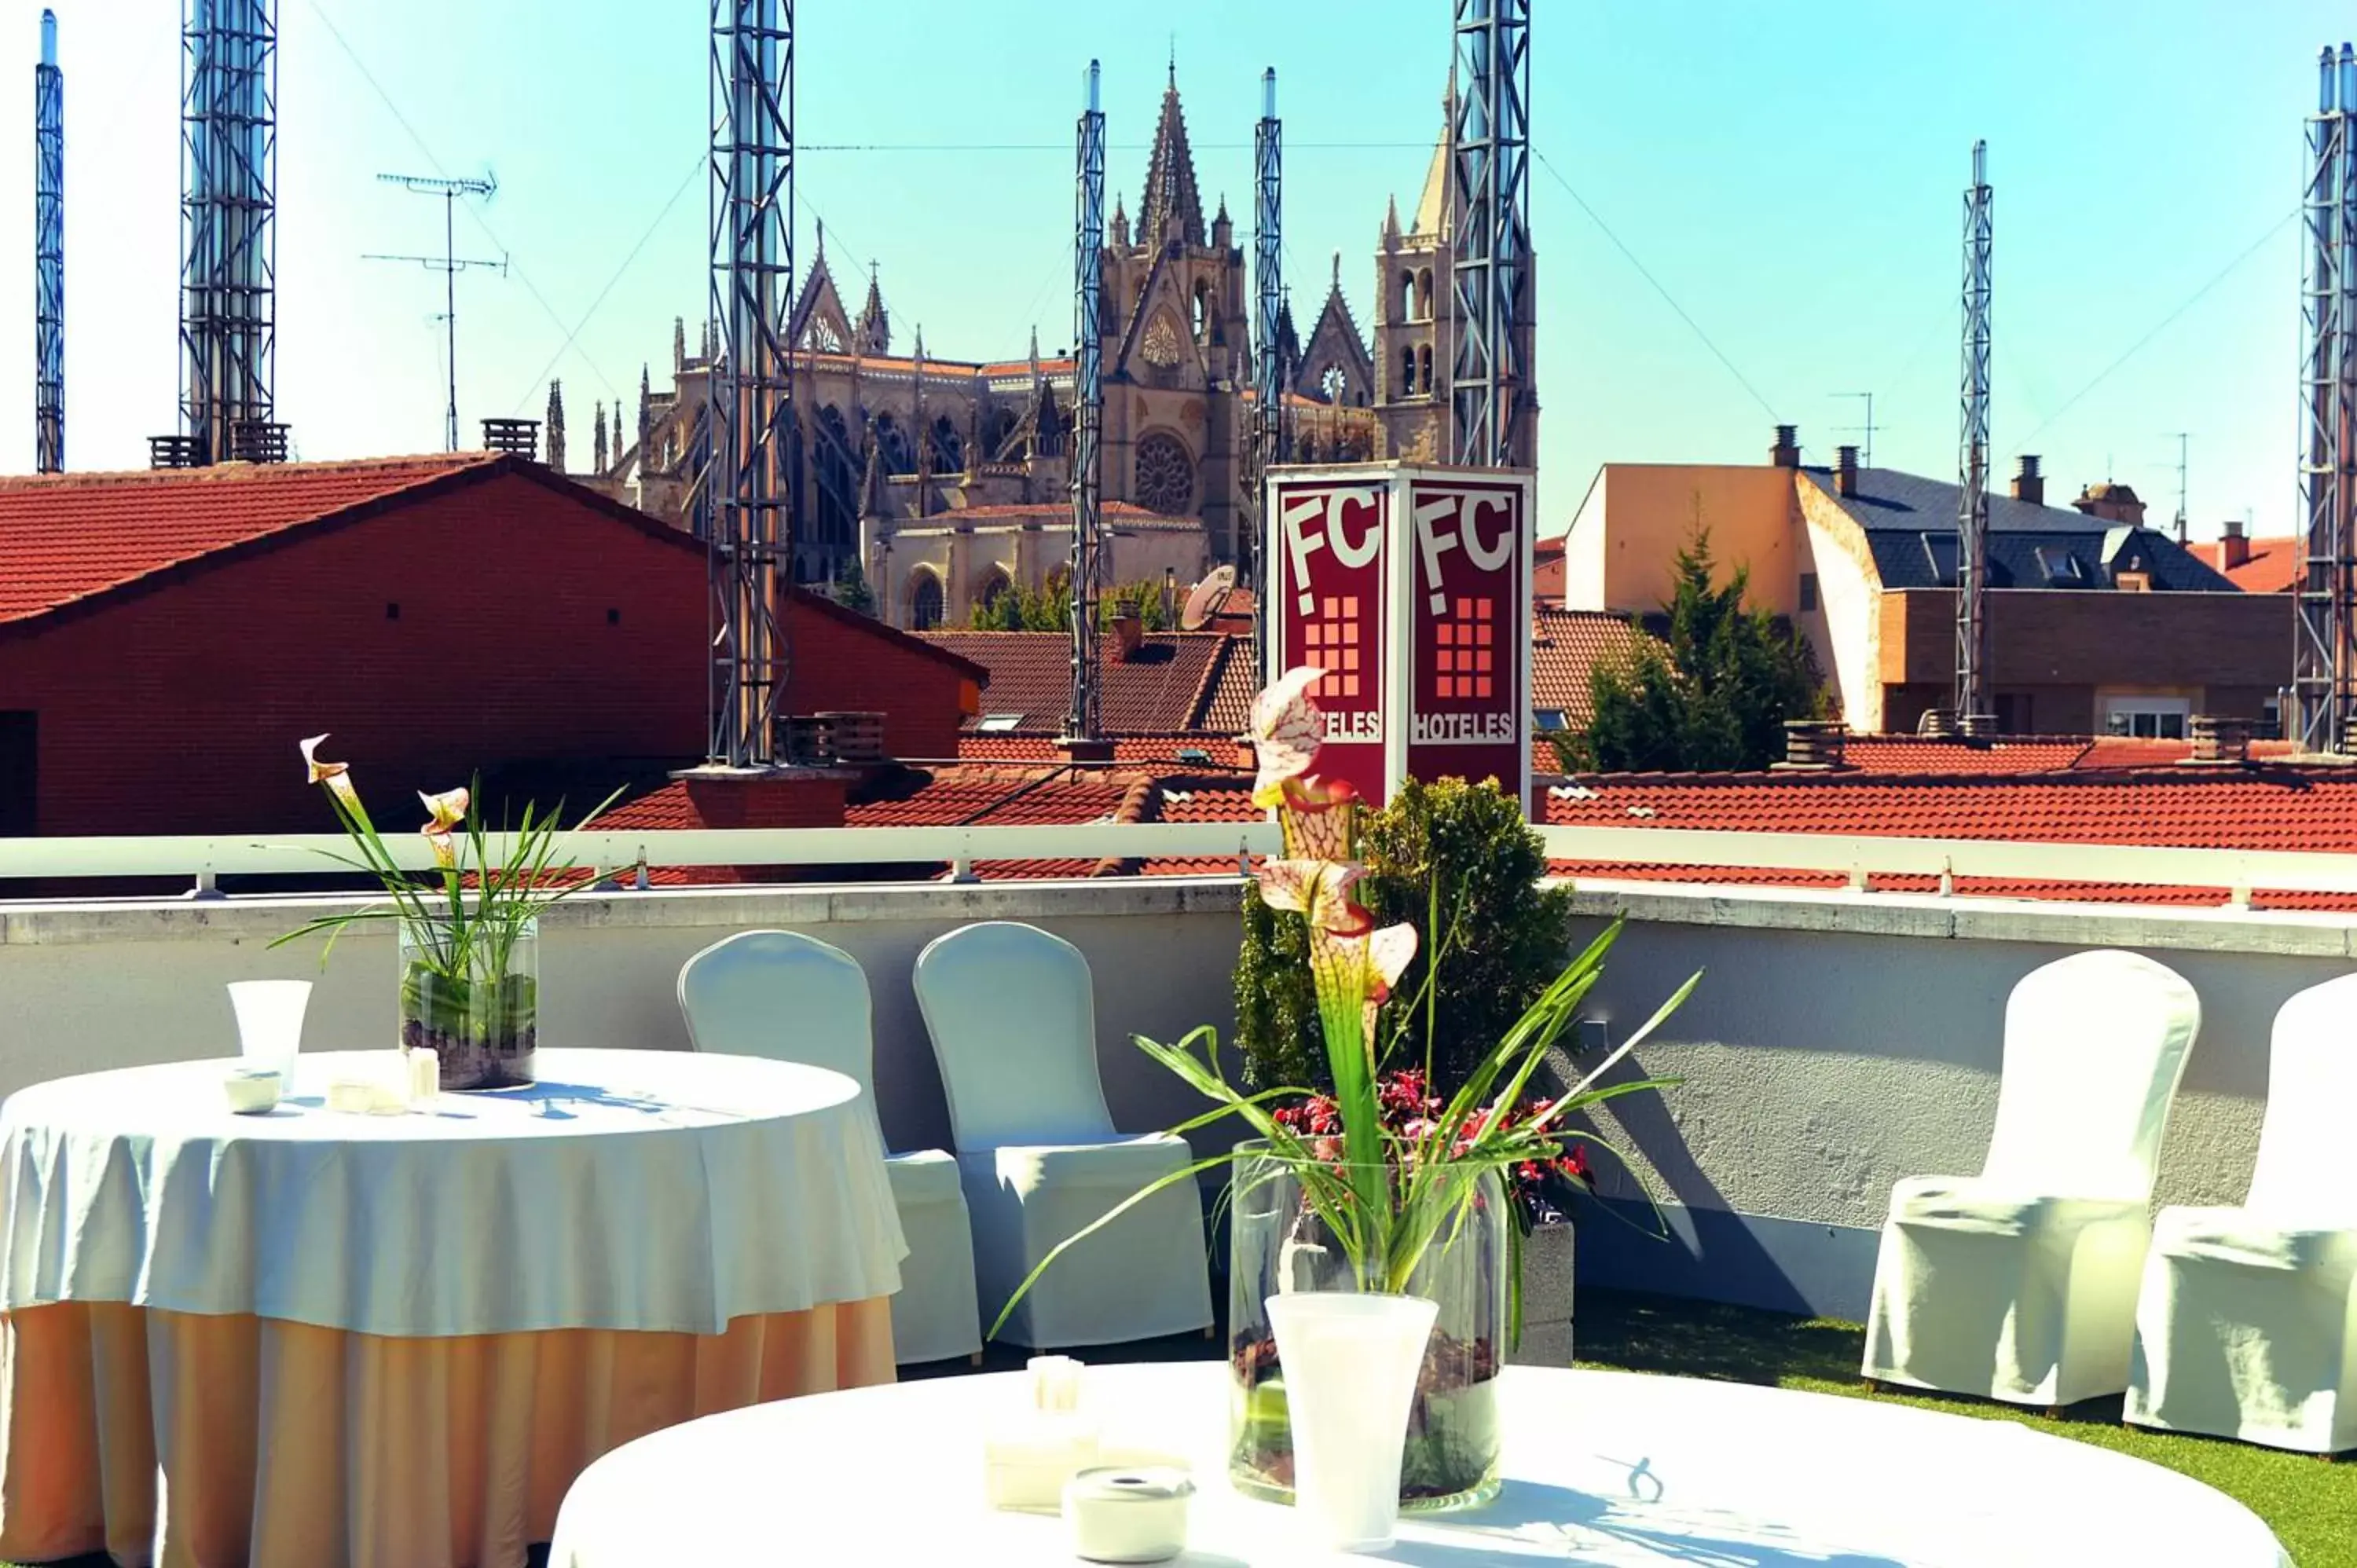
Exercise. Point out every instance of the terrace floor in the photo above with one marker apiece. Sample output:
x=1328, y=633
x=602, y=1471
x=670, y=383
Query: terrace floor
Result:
x=2310, y=1504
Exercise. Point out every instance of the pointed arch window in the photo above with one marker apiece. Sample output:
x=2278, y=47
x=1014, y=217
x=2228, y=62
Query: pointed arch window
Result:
x=1403, y=310
x=925, y=609
x=1424, y=294
x=1407, y=372
x=1423, y=367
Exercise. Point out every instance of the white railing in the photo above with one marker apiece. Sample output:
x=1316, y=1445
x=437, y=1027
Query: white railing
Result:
x=200, y=859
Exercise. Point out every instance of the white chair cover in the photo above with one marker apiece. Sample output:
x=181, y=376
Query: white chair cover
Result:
x=2019, y=1284
x=1012, y=1013
x=2248, y=1322
x=791, y=997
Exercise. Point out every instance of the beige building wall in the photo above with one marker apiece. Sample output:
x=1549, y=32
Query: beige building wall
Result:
x=1844, y=629
x=1625, y=541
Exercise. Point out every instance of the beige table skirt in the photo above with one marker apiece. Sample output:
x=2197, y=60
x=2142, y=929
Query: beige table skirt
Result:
x=185, y=1441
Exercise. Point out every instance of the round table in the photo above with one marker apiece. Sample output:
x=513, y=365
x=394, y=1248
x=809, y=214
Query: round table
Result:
x=1601, y=1468
x=392, y=1341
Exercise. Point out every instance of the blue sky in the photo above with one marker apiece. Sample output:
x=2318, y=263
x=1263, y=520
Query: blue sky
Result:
x=1790, y=175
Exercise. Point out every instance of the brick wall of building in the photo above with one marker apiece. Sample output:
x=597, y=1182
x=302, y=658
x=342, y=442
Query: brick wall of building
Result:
x=2059, y=646
x=500, y=622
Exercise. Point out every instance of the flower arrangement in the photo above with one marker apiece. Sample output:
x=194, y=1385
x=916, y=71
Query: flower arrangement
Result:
x=1387, y=1189
x=468, y=927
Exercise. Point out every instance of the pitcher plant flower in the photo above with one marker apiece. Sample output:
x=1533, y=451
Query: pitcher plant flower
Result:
x=1390, y=1164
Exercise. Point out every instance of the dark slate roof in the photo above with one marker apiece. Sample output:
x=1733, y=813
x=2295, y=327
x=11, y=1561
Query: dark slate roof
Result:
x=1910, y=525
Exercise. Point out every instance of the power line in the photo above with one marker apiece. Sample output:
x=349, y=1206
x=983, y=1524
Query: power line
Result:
x=693, y=168
x=1667, y=298
x=515, y=268
x=1063, y=147
x=2158, y=328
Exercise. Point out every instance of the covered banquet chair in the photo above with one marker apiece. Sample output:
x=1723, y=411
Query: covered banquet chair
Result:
x=793, y=998
x=2248, y=1322
x=2020, y=1283
x=1012, y=1014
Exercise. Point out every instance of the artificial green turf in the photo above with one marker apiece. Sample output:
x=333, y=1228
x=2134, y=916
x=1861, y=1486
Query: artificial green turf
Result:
x=2310, y=1504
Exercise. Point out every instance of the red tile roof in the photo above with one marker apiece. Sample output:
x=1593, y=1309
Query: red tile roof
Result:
x=1565, y=645
x=1129, y=750
x=69, y=537
x=1175, y=682
x=2256, y=809
x=1126, y=513
x=2271, y=567
x=1923, y=754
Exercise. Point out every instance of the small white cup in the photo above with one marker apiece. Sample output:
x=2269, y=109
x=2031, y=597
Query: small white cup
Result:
x=270, y=1023
x=253, y=1090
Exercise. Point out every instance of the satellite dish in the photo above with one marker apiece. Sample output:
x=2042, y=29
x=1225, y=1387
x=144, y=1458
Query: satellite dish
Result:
x=1204, y=601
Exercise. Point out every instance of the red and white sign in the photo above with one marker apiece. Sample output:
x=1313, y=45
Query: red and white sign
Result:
x=1411, y=587
x=1329, y=554
x=1468, y=619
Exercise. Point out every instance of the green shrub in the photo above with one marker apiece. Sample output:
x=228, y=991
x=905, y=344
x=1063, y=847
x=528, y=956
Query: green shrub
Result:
x=1453, y=855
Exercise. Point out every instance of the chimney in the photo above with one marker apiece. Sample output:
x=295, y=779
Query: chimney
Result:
x=1812, y=745
x=1786, y=453
x=1846, y=471
x=2233, y=545
x=2029, y=484
x=2218, y=741
x=1128, y=633
x=858, y=738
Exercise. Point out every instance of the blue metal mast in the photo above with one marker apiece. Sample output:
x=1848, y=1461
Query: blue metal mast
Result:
x=49, y=254
x=1976, y=714
x=228, y=230
x=751, y=535
x=1088, y=412
x=1489, y=142
x=2323, y=717
x=1269, y=303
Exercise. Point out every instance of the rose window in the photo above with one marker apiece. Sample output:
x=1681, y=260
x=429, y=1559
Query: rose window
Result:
x=1166, y=476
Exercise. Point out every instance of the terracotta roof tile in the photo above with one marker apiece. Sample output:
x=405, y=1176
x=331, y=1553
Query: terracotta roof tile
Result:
x=1924, y=753
x=2267, y=809
x=2272, y=566
x=1155, y=692
x=65, y=537
x=1565, y=645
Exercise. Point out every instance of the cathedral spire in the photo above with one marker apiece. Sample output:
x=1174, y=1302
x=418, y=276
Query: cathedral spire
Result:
x=678, y=344
x=598, y=448
x=874, y=327
x=1170, y=195
x=556, y=426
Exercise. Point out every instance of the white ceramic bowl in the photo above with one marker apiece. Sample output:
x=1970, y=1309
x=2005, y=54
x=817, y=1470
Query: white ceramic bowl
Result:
x=252, y=1090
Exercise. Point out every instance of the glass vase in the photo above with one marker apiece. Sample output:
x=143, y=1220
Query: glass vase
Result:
x=1281, y=1243
x=472, y=997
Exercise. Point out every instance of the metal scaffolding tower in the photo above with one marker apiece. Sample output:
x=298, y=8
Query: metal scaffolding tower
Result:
x=1268, y=305
x=751, y=529
x=1975, y=714
x=49, y=255
x=229, y=231
x=1490, y=141
x=1088, y=413
x=449, y=265
x=2324, y=643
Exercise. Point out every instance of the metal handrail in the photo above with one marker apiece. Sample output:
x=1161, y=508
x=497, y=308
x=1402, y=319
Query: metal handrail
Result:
x=204, y=857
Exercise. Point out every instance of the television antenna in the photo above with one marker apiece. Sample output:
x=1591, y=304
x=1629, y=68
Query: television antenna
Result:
x=449, y=263
x=1868, y=429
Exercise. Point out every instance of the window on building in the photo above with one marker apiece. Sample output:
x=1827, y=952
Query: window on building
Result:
x=1808, y=591
x=1547, y=721
x=2148, y=718
x=1424, y=294
x=925, y=602
x=20, y=772
x=1407, y=372
x=1407, y=297
x=999, y=724
x=1423, y=367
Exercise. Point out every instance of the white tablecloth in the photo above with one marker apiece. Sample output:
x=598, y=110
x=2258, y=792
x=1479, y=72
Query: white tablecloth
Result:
x=629, y=1190
x=1604, y=1468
